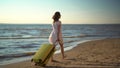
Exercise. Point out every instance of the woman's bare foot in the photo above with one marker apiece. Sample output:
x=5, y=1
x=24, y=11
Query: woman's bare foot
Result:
x=64, y=57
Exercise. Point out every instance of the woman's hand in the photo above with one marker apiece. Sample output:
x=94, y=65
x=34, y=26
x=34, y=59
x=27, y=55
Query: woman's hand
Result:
x=58, y=39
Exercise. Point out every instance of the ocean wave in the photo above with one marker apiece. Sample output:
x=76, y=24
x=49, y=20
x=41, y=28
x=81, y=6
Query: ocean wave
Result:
x=93, y=35
x=10, y=56
x=32, y=37
x=70, y=41
x=77, y=36
x=29, y=46
x=43, y=29
x=24, y=37
x=101, y=35
x=35, y=37
x=2, y=47
x=17, y=55
x=4, y=56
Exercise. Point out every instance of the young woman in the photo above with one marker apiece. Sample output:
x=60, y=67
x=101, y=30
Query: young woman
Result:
x=56, y=34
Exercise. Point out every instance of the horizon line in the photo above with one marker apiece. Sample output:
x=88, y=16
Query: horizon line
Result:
x=51, y=23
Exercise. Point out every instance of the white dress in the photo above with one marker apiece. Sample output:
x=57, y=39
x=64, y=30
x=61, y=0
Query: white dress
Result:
x=53, y=36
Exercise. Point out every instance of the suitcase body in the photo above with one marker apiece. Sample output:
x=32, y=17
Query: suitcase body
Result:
x=43, y=54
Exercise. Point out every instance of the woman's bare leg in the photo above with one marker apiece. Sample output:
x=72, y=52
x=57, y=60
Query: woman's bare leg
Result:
x=50, y=41
x=52, y=58
x=62, y=50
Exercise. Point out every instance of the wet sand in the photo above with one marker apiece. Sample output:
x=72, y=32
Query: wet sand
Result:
x=93, y=54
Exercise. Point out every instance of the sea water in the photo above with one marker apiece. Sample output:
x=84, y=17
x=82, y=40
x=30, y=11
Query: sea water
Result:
x=19, y=42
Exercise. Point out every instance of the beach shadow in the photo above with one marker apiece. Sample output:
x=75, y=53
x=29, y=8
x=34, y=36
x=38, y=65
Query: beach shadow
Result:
x=61, y=67
x=55, y=61
x=53, y=67
x=85, y=66
x=88, y=64
x=72, y=59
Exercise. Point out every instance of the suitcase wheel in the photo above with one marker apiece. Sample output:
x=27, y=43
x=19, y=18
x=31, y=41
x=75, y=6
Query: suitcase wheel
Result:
x=31, y=60
x=43, y=65
x=36, y=64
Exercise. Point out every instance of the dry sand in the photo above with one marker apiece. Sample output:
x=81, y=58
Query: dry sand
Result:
x=93, y=54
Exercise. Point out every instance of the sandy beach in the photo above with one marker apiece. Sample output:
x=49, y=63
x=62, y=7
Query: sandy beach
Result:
x=98, y=54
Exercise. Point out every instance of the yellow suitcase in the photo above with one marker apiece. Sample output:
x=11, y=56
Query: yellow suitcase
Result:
x=43, y=54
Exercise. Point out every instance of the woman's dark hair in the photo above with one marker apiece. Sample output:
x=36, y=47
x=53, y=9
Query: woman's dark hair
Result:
x=56, y=16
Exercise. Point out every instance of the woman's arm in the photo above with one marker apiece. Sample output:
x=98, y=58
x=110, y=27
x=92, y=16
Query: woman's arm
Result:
x=59, y=28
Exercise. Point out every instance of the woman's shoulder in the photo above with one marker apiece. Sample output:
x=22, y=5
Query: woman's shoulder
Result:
x=58, y=22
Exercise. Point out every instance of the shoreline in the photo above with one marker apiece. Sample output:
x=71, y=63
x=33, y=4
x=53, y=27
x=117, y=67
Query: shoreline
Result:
x=25, y=58
x=83, y=55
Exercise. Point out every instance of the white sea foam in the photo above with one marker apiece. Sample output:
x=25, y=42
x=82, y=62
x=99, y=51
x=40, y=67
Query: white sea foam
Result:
x=72, y=45
x=16, y=60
